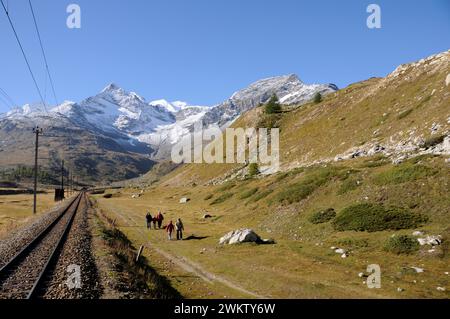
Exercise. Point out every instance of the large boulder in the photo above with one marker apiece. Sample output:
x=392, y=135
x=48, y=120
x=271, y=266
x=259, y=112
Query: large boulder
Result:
x=244, y=235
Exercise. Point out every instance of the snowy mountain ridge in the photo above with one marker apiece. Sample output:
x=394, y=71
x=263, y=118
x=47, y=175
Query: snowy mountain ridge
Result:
x=160, y=123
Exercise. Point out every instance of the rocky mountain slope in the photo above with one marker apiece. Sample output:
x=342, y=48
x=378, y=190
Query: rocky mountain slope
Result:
x=403, y=115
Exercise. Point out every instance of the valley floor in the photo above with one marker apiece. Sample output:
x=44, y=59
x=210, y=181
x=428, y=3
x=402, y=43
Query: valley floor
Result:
x=291, y=268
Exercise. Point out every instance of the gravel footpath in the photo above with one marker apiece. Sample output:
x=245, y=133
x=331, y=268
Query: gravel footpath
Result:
x=76, y=251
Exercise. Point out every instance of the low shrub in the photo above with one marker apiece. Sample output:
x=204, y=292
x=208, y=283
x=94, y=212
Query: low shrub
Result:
x=248, y=193
x=296, y=192
x=222, y=198
x=226, y=187
x=261, y=195
x=403, y=244
x=375, y=217
x=322, y=216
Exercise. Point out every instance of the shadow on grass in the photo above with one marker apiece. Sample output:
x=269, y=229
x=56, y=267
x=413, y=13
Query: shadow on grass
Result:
x=193, y=237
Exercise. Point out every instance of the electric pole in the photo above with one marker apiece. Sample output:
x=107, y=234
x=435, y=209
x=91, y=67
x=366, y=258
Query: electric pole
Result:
x=37, y=131
x=62, y=179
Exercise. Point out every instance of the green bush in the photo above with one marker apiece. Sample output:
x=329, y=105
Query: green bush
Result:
x=403, y=244
x=375, y=217
x=317, y=98
x=253, y=169
x=222, y=198
x=322, y=216
x=248, y=193
x=403, y=173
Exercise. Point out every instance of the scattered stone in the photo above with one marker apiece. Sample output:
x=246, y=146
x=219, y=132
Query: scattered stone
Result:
x=344, y=255
x=446, y=272
x=447, y=80
x=400, y=289
x=417, y=269
x=417, y=233
x=184, y=200
x=361, y=274
x=135, y=195
x=339, y=251
x=430, y=240
x=440, y=288
x=244, y=235
x=206, y=216
x=333, y=248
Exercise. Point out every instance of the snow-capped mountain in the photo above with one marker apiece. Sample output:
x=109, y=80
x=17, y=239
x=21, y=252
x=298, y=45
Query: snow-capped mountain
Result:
x=174, y=107
x=121, y=122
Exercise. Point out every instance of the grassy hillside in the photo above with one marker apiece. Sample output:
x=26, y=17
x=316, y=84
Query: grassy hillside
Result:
x=362, y=170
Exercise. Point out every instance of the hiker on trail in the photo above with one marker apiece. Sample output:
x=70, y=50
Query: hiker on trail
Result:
x=160, y=219
x=149, y=219
x=154, y=220
x=179, y=227
x=169, y=229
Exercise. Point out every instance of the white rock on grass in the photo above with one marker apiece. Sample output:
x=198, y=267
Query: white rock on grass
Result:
x=340, y=251
x=440, y=288
x=430, y=240
x=417, y=233
x=447, y=80
x=417, y=269
x=184, y=200
x=244, y=235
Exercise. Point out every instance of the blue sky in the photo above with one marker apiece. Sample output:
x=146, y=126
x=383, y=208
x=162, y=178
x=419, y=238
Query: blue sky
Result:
x=201, y=51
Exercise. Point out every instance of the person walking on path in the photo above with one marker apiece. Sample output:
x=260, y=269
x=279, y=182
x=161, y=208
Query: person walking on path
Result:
x=149, y=219
x=160, y=219
x=179, y=228
x=169, y=229
x=154, y=220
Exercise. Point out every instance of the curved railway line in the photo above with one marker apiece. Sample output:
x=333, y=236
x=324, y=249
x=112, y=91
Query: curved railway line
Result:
x=24, y=276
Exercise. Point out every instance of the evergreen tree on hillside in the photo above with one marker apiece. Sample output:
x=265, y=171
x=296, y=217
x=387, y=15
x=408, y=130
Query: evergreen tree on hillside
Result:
x=317, y=98
x=273, y=106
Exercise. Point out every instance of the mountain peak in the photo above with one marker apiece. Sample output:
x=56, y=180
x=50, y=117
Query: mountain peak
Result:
x=111, y=87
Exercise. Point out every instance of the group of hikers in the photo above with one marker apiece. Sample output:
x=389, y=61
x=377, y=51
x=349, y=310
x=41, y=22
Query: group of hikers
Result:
x=158, y=219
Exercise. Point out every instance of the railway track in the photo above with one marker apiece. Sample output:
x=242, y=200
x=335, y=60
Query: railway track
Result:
x=25, y=274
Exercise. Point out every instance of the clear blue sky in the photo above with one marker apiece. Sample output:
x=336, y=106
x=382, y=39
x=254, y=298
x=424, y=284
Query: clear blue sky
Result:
x=201, y=51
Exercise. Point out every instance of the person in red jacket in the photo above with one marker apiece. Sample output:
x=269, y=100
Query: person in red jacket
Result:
x=169, y=229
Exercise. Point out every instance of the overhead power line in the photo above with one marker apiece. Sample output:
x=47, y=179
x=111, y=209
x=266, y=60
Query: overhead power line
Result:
x=24, y=55
x=43, y=52
x=7, y=97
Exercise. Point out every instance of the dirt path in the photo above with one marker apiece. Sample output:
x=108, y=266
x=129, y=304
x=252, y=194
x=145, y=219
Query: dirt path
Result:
x=186, y=264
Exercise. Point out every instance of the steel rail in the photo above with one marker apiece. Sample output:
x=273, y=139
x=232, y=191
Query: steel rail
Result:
x=15, y=261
